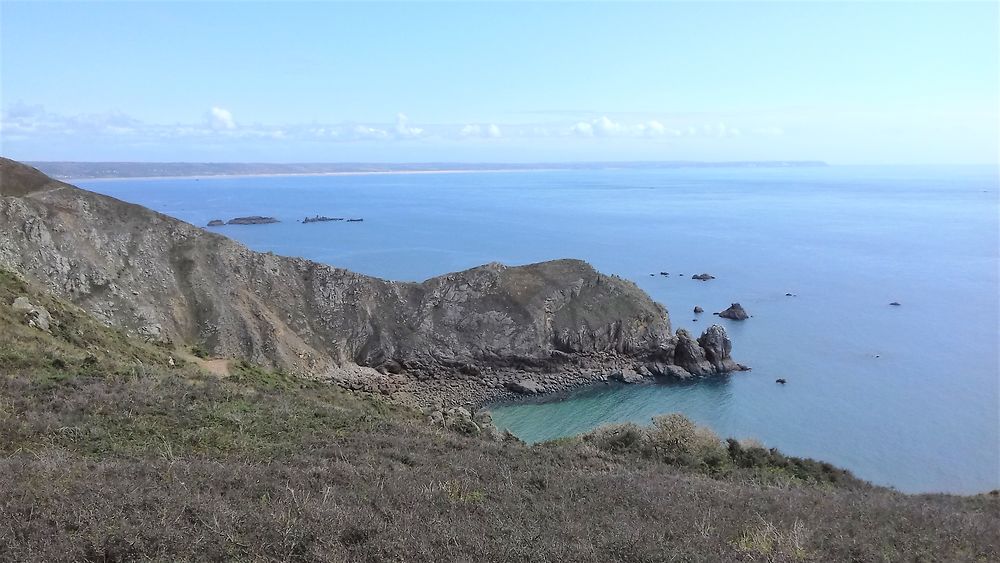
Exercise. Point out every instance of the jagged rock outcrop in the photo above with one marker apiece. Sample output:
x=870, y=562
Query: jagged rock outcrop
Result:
x=735, y=312
x=469, y=331
x=34, y=315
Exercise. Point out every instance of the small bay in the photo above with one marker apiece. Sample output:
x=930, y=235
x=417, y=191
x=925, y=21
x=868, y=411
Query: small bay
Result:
x=904, y=395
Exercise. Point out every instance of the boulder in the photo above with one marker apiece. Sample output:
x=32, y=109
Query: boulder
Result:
x=525, y=387
x=668, y=370
x=703, y=277
x=698, y=310
x=34, y=315
x=626, y=376
x=735, y=312
x=895, y=304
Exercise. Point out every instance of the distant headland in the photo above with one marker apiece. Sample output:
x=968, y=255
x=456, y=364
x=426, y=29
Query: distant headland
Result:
x=93, y=170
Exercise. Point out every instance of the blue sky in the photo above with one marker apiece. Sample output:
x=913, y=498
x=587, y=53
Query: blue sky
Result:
x=887, y=82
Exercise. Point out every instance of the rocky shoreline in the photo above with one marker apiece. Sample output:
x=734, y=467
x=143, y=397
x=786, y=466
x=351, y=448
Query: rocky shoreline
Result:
x=436, y=384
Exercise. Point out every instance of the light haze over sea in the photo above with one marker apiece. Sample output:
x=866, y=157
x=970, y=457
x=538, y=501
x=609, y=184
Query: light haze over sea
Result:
x=904, y=396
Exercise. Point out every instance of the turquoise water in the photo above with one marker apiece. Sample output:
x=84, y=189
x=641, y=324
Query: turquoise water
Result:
x=904, y=396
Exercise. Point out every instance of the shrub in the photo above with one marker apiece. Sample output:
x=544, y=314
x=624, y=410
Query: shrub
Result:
x=675, y=439
x=616, y=438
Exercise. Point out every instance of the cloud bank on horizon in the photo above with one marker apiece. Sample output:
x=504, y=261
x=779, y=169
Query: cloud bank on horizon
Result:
x=866, y=83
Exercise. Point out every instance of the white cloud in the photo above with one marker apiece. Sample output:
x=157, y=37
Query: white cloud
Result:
x=491, y=131
x=365, y=132
x=221, y=118
x=654, y=128
x=403, y=130
x=583, y=129
x=607, y=127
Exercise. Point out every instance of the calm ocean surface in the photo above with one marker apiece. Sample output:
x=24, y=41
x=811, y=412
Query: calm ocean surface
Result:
x=903, y=396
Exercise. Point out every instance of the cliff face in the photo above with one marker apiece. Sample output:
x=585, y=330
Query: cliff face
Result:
x=165, y=279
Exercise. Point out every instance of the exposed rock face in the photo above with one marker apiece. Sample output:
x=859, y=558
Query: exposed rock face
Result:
x=34, y=315
x=469, y=333
x=717, y=346
x=735, y=312
x=689, y=355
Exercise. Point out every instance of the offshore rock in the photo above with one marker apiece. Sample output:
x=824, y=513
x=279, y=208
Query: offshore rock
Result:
x=735, y=312
x=254, y=220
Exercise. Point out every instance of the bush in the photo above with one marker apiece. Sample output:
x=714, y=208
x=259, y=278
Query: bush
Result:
x=675, y=439
x=616, y=438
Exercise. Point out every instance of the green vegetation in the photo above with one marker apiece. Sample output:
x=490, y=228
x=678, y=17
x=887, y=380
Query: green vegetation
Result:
x=113, y=449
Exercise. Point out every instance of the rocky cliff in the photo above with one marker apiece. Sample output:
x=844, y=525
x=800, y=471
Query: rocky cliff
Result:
x=167, y=280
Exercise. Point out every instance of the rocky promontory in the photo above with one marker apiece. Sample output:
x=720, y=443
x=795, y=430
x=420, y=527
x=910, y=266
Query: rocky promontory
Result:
x=467, y=335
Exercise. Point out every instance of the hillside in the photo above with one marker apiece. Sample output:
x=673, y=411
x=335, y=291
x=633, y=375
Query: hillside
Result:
x=467, y=336
x=115, y=449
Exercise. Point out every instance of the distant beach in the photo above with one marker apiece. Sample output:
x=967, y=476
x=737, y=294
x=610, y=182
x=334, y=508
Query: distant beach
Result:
x=67, y=171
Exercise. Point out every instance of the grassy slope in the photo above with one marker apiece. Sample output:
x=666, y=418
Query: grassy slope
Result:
x=110, y=453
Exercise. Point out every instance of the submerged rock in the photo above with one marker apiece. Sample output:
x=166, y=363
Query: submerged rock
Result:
x=735, y=312
x=895, y=304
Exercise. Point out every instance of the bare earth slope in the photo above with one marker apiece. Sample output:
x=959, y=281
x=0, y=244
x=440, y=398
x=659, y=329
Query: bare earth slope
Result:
x=471, y=332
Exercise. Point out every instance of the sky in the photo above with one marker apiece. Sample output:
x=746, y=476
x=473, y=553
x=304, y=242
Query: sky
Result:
x=847, y=82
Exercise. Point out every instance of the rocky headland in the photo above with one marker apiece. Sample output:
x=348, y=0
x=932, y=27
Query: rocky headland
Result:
x=475, y=336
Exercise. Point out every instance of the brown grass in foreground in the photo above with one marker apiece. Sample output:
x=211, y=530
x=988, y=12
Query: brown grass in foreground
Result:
x=109, y=454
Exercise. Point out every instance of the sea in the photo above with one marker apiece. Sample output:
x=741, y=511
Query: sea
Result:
x=904, y=396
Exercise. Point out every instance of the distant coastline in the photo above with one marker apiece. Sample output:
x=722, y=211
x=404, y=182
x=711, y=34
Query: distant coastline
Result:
x=110, y=170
